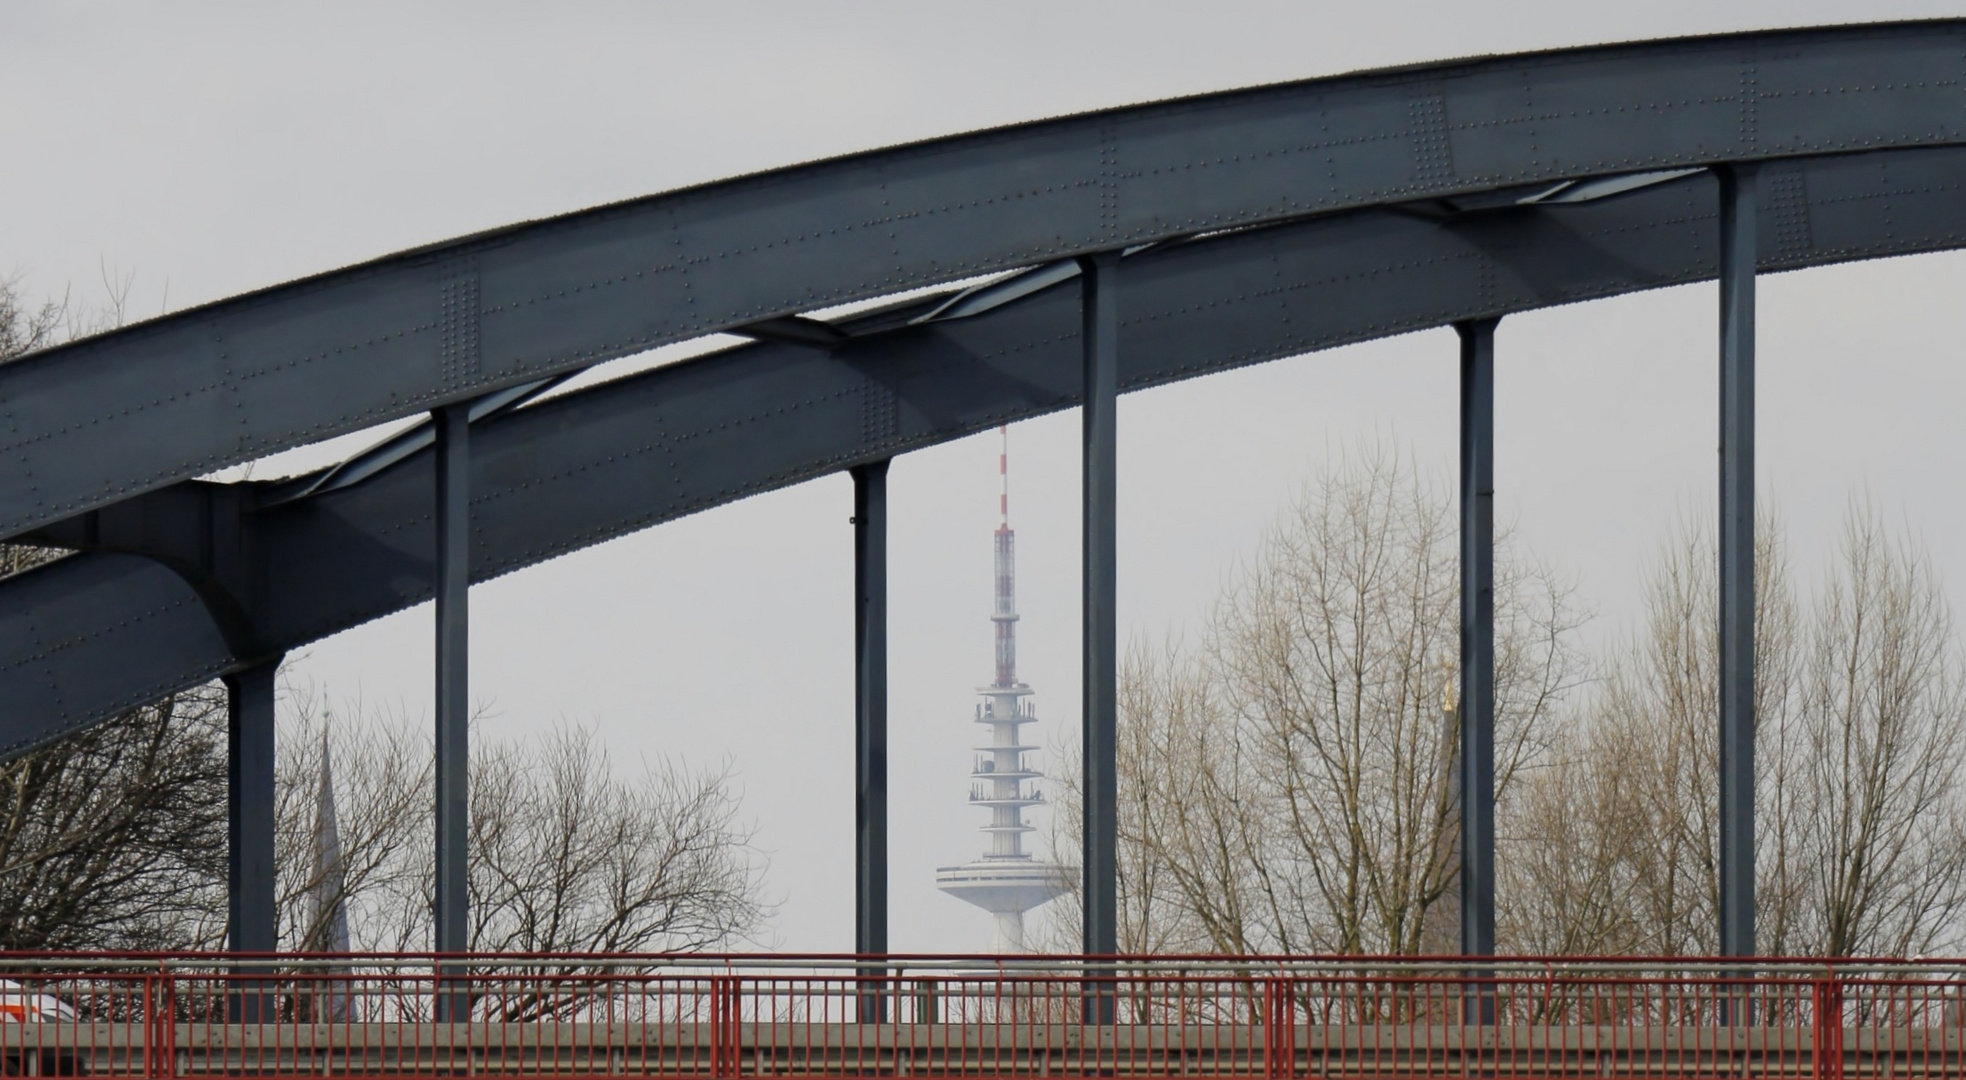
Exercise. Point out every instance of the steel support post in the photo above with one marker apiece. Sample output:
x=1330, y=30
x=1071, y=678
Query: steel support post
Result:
x=251, y=920
x=1100, y=626
x=870, y=724
x=453, y=581
x=1737, y=267
x=1477, y=666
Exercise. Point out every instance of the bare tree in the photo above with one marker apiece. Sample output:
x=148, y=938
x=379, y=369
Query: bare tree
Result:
x=1288, y=785
x=1331, y=647
x=1563, y=870
x=1187, y=823
x=115, y=838
x=564, y=855
x=1643, y=757
x=568, y=858
x=1883, y=823
x=24, y=325
x=1860, y=827
x=15, y=558
x=1332, y=651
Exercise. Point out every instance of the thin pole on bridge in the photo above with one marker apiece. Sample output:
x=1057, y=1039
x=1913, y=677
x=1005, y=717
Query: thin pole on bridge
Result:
x=1736, y=535
x=453, y=582
x=1477, y=675
x=1100, y=626
x=870, y=721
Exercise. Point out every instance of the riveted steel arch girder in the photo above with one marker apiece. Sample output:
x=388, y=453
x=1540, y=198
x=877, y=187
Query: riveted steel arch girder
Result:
x=109, y=417
x=96, y=632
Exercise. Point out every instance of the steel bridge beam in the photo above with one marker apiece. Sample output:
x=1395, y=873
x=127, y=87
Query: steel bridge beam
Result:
x=86, y=636
x=100, y=420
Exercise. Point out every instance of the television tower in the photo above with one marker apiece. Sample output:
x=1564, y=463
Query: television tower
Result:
x=1007, y=881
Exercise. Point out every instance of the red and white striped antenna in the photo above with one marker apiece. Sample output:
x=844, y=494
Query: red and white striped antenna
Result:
x=1005, y=611
x=1003, y=470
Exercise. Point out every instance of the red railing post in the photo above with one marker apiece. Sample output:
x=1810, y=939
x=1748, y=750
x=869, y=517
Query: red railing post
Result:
x=1827, y=1030
x=160, y=1026
x=726, y=1026
x=148, y=1025
x=1280, y=1030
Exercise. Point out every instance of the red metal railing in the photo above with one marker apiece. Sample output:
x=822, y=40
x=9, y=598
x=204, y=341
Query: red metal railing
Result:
x=730, y=1016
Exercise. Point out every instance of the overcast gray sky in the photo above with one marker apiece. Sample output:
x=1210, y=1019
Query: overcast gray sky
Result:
x=208, y=149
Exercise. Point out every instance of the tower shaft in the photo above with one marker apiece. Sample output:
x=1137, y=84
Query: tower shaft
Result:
x=1005, y=615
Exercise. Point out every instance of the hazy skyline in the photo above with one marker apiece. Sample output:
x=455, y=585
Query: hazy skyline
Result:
x=216, y=149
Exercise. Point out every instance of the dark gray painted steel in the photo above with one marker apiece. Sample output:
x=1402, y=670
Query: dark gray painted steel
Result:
x=1099, y=341
x=94, y=633
x=870, y=707
x=452, y=544
x=1477, y=786
x=88, y=636
x=252, y=923
x=1738, y=191
x=97, y=421
x=870, y=728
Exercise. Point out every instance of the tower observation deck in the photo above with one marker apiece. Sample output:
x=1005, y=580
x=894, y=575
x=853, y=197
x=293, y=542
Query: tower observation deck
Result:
x=1007, y=881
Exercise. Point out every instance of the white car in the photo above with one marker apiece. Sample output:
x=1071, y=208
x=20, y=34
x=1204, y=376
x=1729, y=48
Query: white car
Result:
x=19, y=1005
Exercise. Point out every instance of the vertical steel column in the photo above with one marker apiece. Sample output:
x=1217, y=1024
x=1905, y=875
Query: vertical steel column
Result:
x=1737, y=267
x=1476, y=787
x=250, y=919
x=1477, y=637
x=870, y=722
x=453, y=583
x=252, y=924
x=1100, y=340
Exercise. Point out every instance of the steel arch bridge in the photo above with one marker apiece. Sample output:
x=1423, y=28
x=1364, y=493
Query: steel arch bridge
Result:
x=1124, y=249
